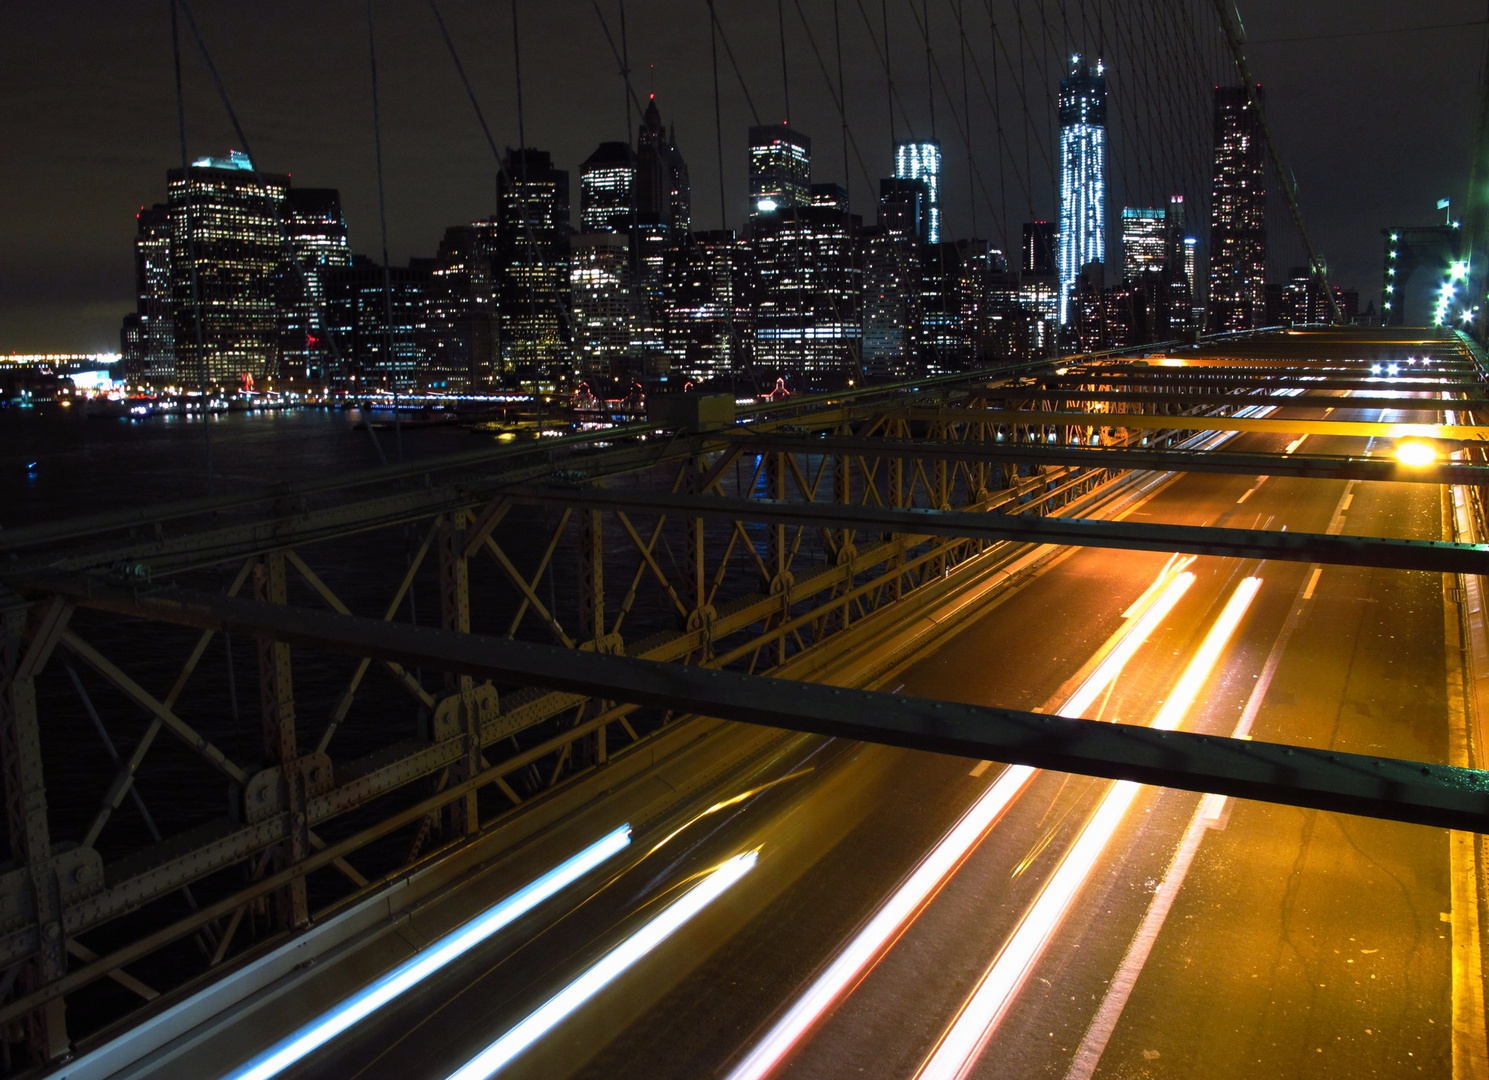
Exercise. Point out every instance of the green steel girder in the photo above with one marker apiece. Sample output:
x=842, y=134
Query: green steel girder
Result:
x=1320, y=466
x=1408, y=791
x=1433, y=555
x=1249, y=396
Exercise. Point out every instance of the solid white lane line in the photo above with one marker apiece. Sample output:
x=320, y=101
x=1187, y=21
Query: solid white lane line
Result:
x=1099, y=1031
x=962, y=1044
x=904, y=903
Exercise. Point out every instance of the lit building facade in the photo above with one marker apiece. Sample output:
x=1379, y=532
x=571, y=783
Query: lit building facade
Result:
x=532, y=265
x=891, y=279
x=1238, y=205
x=148, y=339
x=381, y=353
x=460, y=311
x=1144, y=241
x=922, y=161
x=1082, y=175
x=708, y=319
x=607, y=189
x=780, y=169
x=808, y=292
x=604, y=318
x=227, y=232
x=941, y=339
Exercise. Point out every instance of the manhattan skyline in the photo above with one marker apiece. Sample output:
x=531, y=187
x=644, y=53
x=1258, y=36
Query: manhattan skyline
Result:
x=66, y=271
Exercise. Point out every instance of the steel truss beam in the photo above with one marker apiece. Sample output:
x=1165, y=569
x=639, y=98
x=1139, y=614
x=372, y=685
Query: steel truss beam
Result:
x=1339, y=550
x=1259, y=395
x=1320, y=466
x=1408, y=791
x=1204, y=422
x=1196, y=378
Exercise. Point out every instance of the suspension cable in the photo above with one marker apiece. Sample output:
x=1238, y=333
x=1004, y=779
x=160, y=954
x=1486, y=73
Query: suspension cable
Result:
x=196, y=293
x=382, y=210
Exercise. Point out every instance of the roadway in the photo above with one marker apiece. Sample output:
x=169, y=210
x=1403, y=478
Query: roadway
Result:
x=1300, y=943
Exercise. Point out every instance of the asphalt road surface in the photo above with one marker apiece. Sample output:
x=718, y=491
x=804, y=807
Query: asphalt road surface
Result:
x=1210, y=938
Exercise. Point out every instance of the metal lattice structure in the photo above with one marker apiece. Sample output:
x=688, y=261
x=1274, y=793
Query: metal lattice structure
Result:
x=582, y=597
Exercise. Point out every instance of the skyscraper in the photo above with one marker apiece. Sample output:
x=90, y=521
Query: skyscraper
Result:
x=780, y=169
x=607, y=189
x=1041, y=242
x=707, y=321
x=922, y=161
x=317, y=241
x=1144, y=241
x=809, y=292
x=228, y=229
x=599, y=281
x=459, y=313
x=663, y=190
x=532, y=263
x=891, y=278
x=149, y=336
x=1238, y=204
x=381, y=352
x=1082, y=175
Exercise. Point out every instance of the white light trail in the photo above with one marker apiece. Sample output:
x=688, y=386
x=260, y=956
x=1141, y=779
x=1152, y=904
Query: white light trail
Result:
x=906, y=901
x=962, y=1044
x=491, y=1060
x=425, y=963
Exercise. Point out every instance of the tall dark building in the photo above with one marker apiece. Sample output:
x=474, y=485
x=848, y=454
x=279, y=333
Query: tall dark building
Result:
x=780, y=169
x=708, y=321
x=941, y=341
x=532, y=263
x=1041, y=239
x=148, y=339
x=663, y=190
x=1238, y=204
x=235, y=244
x=460, y=310
x=607, y=189
x=380, y=353
x=891, y=278
x=317, y=241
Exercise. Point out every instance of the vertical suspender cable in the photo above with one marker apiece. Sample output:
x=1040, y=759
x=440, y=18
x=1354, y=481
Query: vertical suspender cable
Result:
x=998, y=120
x=625, y=74
x=529, y=253
x=718, y=123
x=888, y=73
x=930, y=85
x=785, y=71
x=196, y=294
x=382, y=210
x=961, y=30
x=837, y=37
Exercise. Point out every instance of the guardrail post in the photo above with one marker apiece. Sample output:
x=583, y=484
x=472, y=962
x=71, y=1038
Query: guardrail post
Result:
x=281, y=745
x=30, y=836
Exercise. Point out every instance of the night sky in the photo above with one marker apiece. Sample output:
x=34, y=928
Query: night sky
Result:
x=1376, y=127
